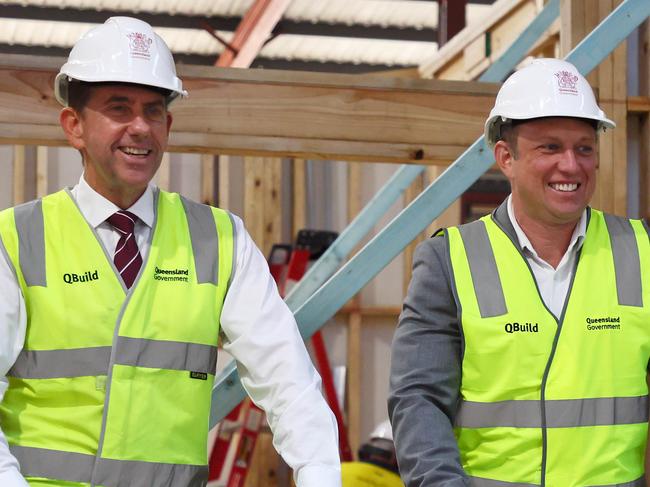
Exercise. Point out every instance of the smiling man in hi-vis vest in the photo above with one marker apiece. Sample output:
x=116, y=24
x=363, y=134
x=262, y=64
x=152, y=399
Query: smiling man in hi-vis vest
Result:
x=522, y=350
x=113, y=293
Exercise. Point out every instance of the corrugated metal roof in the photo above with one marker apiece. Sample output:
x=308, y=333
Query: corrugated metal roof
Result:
x=400, y=14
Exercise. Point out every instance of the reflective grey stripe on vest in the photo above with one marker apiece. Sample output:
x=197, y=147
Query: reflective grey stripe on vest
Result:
x=205, y=242
x=562, y=413
x=53, y=364
x=31, y=242
x=481, y=482
x=138, y=352
x=483, y=268
x=627, y=263
x=163, y=354
x=77, y=467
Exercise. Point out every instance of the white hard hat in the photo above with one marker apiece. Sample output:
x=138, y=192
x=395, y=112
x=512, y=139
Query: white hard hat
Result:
x=545, y=88
x=383, y=430
x=124, y=50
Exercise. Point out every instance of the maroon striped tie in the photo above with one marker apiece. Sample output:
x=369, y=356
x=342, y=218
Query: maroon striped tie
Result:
x=127, y=256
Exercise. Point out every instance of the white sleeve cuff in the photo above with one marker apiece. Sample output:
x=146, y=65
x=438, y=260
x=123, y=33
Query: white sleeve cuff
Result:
x=318, y=476
x=12, y=478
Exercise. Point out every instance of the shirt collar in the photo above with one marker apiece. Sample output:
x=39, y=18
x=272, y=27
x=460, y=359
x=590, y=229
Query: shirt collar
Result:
x=576, y=239
x=96, y=209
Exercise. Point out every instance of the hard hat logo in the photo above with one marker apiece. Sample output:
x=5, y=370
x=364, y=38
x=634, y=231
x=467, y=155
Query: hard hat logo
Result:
x=567, y=81
x=140, y=44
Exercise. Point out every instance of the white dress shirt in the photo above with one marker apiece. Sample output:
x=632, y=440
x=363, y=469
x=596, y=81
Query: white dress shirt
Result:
x=553, y=283
x=261, y=333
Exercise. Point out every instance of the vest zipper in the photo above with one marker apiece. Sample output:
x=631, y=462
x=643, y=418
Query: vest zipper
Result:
x=559, y=321
x=127, y=299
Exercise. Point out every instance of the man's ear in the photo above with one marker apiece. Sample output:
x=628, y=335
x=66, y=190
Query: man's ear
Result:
x=169, y=122
x=72, y=126
x=504, y=157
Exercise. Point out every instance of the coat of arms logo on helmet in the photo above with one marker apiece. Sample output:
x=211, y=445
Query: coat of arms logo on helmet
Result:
x=567, y=82
x=139, y=44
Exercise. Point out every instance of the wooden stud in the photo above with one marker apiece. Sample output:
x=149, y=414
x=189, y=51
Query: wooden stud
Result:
x=224, y=182
x=299, y=220
x=163, y=176
x=354, y=371
x=41, y=172
x=254, y=199
x=354, y=380
x=19, y=174
x=208, y=167
x=644, y=139
x=272, y=186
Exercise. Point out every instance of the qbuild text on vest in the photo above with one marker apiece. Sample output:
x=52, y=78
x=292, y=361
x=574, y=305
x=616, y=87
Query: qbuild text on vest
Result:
x=515, y=327
x=71, y=278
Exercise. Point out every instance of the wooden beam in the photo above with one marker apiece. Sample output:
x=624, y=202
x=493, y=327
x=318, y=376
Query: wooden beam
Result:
x=273, y=113
x=252, y=32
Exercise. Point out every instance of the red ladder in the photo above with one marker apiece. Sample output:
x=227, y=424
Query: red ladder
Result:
x=287, y=265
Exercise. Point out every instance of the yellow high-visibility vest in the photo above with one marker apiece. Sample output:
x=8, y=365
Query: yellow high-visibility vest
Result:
x=113, y=386
x=557, y=402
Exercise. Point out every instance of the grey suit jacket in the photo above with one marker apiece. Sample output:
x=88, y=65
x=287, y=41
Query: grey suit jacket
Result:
x=426, y=370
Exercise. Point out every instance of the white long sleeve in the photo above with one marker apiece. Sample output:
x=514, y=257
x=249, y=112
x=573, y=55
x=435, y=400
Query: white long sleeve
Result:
x=262, y=336
x=276, y=370
x=12, y=337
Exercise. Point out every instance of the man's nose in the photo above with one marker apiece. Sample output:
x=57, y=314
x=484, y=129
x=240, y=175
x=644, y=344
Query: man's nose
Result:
x=139, y=125
x=568, y=161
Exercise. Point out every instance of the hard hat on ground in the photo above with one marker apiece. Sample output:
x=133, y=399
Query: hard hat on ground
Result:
x=380, y=449
x=122, y=50
x=545, y=88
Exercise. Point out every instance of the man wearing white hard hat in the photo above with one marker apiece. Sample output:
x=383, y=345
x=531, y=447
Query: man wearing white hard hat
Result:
x=522, y=350
x=113, y=294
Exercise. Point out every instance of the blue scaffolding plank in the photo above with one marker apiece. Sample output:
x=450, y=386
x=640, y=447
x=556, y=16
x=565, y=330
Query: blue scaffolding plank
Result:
x=358, y=228
x=349, y=280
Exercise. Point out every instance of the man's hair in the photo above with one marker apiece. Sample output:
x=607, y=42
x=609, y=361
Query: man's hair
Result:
x=79, y=92
x=509, y=131
x=509, y=136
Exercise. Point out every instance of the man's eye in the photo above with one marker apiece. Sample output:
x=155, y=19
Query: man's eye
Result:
x=118, y=109
x=549, y=147
x=585, y=150
x=156, y=113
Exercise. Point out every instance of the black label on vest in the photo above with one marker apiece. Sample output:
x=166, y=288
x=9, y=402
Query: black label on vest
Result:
x=199, y=375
